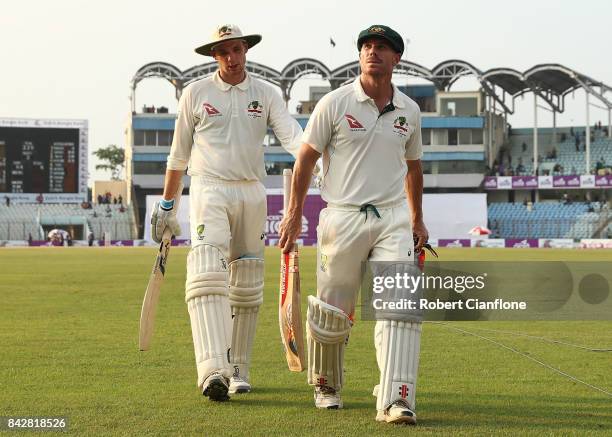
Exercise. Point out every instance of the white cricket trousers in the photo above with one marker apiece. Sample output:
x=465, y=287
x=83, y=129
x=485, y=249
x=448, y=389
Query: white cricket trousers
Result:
x=229, y=215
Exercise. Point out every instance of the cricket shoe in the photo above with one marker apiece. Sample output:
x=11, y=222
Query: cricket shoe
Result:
x=239, y=385
x=327, y=398
x=398, y=412
x=216, y=387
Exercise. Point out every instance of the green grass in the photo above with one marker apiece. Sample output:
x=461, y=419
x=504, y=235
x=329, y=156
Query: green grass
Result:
x=68, y=346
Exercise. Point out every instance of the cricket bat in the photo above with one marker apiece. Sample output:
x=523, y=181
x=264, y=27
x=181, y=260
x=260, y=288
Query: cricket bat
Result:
x=151, y=297
x=289, y=305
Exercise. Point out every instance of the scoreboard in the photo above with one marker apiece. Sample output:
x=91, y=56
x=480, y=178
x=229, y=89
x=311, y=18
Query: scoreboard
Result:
x=42, y=156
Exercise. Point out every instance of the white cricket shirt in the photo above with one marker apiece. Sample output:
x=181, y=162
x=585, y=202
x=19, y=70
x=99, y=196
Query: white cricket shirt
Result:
x=364, y=153
x=220, y=128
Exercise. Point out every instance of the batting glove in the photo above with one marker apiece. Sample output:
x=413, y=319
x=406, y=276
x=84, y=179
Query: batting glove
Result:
x=164, y=216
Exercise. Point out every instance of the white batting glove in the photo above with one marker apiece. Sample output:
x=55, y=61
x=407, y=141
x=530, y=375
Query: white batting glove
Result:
x=164, y=216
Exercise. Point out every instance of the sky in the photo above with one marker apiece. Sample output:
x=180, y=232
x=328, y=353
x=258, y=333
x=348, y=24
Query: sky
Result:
x=75, y=59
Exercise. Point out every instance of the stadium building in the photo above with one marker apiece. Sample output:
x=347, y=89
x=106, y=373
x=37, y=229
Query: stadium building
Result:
x=522, y=184
x=469, y=147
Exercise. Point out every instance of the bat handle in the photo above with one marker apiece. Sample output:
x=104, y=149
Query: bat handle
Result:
x=287, y=174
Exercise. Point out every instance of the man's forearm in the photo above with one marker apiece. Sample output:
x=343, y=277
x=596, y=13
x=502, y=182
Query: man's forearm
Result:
x=171, y=184
x=413, y=185
x=302, y=174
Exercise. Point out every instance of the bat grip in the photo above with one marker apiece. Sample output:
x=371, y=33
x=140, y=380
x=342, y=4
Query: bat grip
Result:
x=287, y=174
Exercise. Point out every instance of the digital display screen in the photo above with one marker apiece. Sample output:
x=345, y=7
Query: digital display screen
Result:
x=39, y=160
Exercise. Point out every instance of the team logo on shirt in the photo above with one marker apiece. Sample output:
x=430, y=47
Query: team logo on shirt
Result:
x=353, y=123
x=211, y=110
x=255, y=109
x=200, y=231
x=400, y=126
x=323, y=262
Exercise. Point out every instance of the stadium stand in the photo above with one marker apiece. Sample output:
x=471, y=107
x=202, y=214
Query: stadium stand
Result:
x=19, y=221
x=565, y=157
x=548, y=220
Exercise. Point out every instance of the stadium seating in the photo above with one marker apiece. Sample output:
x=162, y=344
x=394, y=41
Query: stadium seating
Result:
x=546, y=220
x=19, y=221
x=571, y=161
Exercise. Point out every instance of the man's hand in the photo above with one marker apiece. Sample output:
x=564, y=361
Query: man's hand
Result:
x=420, y=234
x=290, y=229
x=164, y=215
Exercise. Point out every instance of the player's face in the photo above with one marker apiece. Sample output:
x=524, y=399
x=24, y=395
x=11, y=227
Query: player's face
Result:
x=231, y=57
x=377, y=57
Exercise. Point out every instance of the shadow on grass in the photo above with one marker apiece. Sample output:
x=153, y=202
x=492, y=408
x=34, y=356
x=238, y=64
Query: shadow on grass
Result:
x=549, y=412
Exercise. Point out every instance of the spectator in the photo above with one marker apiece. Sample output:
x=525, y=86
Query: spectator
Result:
x=99, y=199
x=90, y=238
x=40, y=198
x=577, y=144
x=566, y=199
x=120, y=199
x=30, y=239
x=554, y=153
x=572, y=131
x=114, y=200
x=524, y=146
x=108, y=211
x=7, y=199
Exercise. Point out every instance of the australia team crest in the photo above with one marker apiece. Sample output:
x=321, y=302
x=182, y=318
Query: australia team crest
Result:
x=255, y=109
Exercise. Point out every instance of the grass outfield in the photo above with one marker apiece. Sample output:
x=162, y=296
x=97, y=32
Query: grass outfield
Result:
x=68, y=346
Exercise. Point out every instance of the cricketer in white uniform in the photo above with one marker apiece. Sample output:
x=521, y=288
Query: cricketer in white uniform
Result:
x=369, y=134
x=221, y=124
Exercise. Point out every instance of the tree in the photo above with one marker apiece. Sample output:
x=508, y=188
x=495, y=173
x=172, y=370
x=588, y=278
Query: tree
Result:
x=114, y=156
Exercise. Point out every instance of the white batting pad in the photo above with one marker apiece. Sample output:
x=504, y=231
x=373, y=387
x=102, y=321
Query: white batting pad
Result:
x=209, y=310
x=327, y=330
x=246, y=282
x=397, y=352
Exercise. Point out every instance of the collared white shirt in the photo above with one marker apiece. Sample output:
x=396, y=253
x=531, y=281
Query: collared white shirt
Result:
x=364, y=152
x=220, y=128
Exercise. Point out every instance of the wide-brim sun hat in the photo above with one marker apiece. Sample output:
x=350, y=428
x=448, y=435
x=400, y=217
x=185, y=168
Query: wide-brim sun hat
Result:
x=227, y=32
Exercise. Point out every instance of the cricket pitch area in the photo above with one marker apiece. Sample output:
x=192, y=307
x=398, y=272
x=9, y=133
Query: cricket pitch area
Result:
x=69, y=347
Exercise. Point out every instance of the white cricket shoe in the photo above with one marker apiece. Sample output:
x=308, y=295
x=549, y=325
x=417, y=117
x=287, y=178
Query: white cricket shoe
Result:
x=239, y=385
x=327, y=398
x=216, y=387
x=398, y=412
